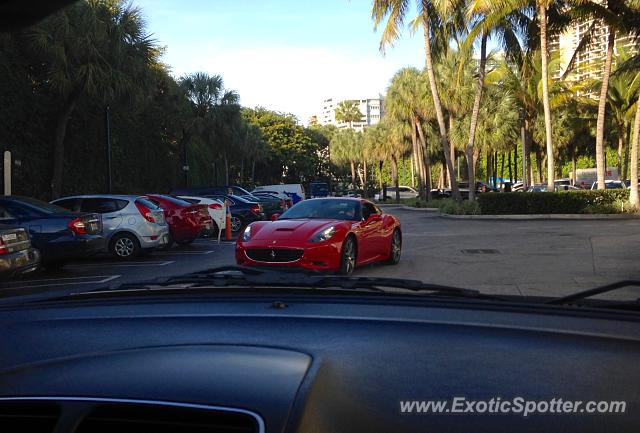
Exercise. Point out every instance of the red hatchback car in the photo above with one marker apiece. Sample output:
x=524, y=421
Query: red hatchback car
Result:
x=323, y=234
x=186, y=220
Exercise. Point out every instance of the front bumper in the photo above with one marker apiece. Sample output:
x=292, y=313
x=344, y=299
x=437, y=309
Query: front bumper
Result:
x=320, y=256
x=19, y=262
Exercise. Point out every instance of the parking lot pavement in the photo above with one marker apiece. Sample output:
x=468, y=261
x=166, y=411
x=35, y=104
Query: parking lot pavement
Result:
x=98, y=272
x=547, y=258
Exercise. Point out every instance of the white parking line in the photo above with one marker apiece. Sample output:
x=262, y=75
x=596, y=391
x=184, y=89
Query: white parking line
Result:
x=120, y=264
x=184, y=253
x=51, y=282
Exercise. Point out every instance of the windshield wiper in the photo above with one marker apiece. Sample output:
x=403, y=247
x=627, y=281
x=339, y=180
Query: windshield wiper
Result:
x=585, y=294
x=241, y=277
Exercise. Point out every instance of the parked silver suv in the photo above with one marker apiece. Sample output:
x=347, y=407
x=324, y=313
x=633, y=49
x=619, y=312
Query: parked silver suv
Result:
x=131, y=224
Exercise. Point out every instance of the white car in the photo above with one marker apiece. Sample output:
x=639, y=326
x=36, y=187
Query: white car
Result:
x=217, y=211
x=405, y=192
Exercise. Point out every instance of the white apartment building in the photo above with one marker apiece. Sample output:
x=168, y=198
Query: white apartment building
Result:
x=372, y=110
x=588, y=64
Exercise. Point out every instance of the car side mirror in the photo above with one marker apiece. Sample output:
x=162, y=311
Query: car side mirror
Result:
x=275, y=216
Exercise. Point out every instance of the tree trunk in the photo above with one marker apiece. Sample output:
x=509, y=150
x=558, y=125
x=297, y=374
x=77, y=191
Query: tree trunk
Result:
x=625, y=167
x=437, y=104
x=502, y=167
x=242, y=171
x=380, y=164
x=620, y=150
x=226, y=169
x=395, y=178
x=527, y=152
x=510, y=167
x=353, y=175
x=515, y=163
x=602, y=104
x=574, y=164
x=360, y=176
x=542, y=15
x=364, y=170
x=415, y=160
x=412, y=161
x=58, y=150
x=489, y=167
x=495, y=169
x=425, y=161
x=253, y=172
x=539, y=164
x=633, y=195
x=471, y=173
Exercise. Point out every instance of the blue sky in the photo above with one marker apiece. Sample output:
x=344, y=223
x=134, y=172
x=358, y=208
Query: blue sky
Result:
x=285, y=55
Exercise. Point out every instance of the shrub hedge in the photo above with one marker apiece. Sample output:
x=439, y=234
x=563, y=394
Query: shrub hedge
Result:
x=562, y=202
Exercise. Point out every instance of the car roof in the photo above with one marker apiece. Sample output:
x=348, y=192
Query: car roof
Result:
x=116, y=196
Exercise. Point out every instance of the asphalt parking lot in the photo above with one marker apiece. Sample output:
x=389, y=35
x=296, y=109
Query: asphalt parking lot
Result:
x=542, y=257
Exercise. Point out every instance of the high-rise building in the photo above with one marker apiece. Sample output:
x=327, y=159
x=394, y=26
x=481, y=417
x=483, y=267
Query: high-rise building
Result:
x=588, y=63
x=372, y=110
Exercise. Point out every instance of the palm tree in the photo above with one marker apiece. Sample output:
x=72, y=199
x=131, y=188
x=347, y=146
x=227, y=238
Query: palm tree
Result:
x=620, y=17
x=403, y=103
x=348, y=112
x=434, y=14
x=508, y=30
x=93, y=49
x=345, y=148
x=215, y=117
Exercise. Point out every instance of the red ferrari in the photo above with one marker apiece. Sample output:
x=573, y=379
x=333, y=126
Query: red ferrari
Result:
x=323, y=234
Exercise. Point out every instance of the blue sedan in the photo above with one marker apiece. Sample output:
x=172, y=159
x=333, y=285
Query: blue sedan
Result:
x=59, y=235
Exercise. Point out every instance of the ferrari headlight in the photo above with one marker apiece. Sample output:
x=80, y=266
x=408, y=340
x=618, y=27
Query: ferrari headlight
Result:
x=324, y=234
x=246, y=235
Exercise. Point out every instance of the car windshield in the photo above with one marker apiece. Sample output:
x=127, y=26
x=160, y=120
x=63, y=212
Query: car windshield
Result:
x=324, y=209
x=41, y=205
x=328, y=111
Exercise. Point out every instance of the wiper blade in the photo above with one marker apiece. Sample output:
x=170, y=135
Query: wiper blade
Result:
x=235, y=276
x=578, y=296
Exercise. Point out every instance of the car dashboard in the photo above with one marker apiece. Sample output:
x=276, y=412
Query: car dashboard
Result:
x=307, y=363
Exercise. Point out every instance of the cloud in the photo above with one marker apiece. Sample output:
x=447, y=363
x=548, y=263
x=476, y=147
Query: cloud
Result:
x=289, y=79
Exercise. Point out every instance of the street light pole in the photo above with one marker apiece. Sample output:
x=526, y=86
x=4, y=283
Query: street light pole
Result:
x=107, y=124
x=185, y=166
x=525, y=173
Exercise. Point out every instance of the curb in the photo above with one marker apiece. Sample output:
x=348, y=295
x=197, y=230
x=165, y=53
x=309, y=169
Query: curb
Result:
x=405, y=207
x=544, y=217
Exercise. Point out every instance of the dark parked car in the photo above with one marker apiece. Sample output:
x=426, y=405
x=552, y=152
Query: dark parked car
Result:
x=59, y=234
x=17, y=256
x=242, y=211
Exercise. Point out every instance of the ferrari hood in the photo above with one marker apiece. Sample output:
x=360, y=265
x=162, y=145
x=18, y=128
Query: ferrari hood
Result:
x=298, y=229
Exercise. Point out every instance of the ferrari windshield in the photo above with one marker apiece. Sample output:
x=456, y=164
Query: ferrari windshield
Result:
x=334, y=209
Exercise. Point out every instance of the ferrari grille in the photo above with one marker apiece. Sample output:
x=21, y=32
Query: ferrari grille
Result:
x=277, y=255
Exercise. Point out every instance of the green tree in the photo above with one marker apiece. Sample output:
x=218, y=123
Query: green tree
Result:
x=93, y=48
x=435, y=17
x=348, y=112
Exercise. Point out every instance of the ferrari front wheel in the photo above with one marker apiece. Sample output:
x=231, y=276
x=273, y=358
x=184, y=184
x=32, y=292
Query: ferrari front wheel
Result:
x=349, y=255
x=395, y=248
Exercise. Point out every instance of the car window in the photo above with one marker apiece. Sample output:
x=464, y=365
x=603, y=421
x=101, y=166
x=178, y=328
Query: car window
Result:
x=324, y=209
x=98, y=205
x=148, y=203
x=5, y=214
x=68, y=203
x=368, y=209
x=34, y=206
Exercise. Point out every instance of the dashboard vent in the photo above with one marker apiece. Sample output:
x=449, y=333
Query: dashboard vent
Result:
x=149, y=418
x=22, y=416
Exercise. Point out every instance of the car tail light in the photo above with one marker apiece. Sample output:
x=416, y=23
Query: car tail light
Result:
x=3, y=247
x=255, y=208
x=77, y=226
x=145, y=212
x=215, y=206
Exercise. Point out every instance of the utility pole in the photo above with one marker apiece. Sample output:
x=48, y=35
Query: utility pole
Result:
x=107, y=126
